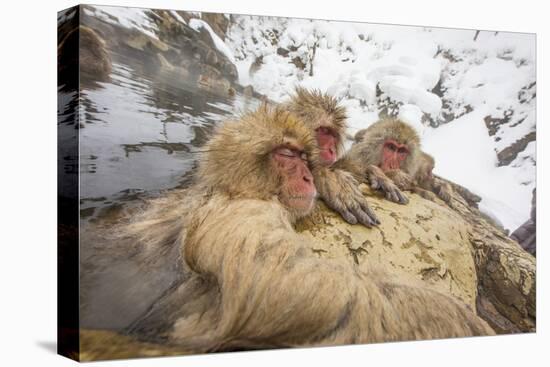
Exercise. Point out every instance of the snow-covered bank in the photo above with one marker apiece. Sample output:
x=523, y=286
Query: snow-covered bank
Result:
x=476, y=88
x=465, y=154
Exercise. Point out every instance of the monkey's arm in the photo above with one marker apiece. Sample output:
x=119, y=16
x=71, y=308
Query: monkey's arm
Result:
x=432, y=188
x=273, y=292
x=339, y=190
x=471, y=198
x=426, y=194
x=403, y=180
x=444, y=190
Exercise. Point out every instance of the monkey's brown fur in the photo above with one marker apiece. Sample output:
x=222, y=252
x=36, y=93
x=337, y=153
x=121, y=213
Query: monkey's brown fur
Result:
x=424, y=183
x=255, y=284
x=336, y=187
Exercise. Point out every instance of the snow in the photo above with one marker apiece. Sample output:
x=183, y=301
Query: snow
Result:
x=412, y=115
x=406, y=90
x=464, y=154
x=420, y=74
x=197, y=24
x=177, y=16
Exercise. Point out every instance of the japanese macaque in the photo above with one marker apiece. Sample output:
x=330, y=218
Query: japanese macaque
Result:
x=389, y=150
x=254, y=282
x=386, y=153
x=337, y=188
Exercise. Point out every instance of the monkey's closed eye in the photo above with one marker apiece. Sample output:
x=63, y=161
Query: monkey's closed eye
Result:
x=326, y=131
x=286, y=152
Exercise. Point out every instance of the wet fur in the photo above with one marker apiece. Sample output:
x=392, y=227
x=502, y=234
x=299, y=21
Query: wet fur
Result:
x=254, y=282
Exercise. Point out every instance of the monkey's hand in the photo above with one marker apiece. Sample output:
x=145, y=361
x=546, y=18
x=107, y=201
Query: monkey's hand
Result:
x=340, y=192
x=445, y=192
x=379, y=181
x=403, y=180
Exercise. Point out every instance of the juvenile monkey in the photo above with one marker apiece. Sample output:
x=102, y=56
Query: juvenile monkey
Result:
x=255, y=284
x=427, y=185
x=327, y=121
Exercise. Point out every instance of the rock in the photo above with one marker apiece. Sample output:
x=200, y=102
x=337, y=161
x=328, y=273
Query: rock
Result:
x=282, y=52
x=457, y=251
x=256, y=65
x=422, y=242
x=218, y=22
x=506, y=275
x=219, y=86
x=175, y=46
x=526, y=234
x=98, y=345
x=143, y=42
x=508, y=154
x=493, y=123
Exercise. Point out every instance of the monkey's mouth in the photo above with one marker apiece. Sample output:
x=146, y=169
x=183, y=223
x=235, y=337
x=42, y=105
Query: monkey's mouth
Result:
x=302, y=197
x=303, y=203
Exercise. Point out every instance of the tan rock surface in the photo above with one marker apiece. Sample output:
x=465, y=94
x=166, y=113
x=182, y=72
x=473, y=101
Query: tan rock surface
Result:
x=422, y=242
x=457, y=251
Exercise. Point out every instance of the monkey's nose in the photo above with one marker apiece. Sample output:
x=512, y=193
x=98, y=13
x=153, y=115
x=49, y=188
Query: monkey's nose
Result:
x=308, y=178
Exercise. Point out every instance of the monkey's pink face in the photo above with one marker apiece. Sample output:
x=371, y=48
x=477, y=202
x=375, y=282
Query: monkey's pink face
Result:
x=393, y=155
x=327, y=140
x=298, y=189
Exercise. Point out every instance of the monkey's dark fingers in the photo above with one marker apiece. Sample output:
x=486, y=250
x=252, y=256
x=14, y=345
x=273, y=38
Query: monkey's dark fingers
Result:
x=365, y=219
x=368, y=211
x=365, y=214
x=375, y=183
x=395, y=195
x=348, y=217
x=355, y=214
x=402, y=198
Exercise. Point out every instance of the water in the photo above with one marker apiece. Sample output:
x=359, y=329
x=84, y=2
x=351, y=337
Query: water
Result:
x=140, y=132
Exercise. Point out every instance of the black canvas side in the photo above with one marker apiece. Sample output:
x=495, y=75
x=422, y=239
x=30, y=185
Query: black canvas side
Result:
x=68, y=341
